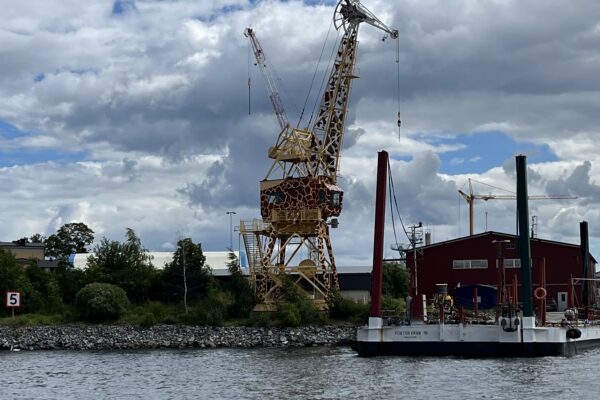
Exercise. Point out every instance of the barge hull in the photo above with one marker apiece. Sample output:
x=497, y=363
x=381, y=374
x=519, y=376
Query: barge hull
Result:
x=470, y=349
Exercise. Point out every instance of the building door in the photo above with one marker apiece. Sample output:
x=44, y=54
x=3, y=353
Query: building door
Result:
x=562, y=301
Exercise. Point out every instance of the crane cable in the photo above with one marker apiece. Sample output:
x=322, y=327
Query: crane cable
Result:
x=492, y=186
x=398, y=84
x=249, y=81
x=332, y=57
x=314, y=76
x=392, y=195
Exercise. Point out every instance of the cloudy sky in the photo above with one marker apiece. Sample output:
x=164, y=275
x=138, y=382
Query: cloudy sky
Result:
x=134, y=113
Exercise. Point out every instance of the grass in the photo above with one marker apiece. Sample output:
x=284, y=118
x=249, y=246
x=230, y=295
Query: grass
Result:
x=35, y=319
x=204, y=313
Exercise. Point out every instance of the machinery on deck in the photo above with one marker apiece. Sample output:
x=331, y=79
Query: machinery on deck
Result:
x=299, y=197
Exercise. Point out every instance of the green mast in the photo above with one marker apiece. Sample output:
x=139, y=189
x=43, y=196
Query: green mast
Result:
x=524, y=248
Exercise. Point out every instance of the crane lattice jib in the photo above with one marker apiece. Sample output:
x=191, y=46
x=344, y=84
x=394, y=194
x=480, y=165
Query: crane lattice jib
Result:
x=261, y=61
x=328, y=127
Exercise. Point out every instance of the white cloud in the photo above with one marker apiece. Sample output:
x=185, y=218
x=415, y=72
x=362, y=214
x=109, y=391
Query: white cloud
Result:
x=155, y=101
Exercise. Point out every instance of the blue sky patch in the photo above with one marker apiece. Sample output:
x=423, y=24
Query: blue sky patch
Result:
x=121, y=7
x=9, y=131
x=22, y=156
x=30, y=156
x=483, y=151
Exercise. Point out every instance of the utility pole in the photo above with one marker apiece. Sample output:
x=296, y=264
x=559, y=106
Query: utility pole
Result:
x=416, y=238
x=230, y=213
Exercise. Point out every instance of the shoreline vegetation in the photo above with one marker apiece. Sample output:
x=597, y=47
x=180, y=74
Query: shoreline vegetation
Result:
x=120, y=300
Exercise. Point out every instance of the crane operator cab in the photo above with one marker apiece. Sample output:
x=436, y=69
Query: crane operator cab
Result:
x=298, y=203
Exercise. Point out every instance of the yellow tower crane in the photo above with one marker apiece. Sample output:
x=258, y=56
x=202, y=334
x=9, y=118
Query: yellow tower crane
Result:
x=299, y=197
x=470, y=199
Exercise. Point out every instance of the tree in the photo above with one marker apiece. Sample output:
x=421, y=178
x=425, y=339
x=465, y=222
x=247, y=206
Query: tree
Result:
x=45, y=292
x=128, y=265
x=69, y=239
x=189, y=262
x=37, y=238
x=12, y=276
x=395, y=280
x=244, y=296
x=70, y=281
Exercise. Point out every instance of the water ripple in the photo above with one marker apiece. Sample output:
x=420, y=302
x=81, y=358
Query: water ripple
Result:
x=298, y=373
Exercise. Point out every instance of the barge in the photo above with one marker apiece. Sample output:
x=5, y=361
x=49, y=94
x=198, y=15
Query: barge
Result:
x=514, y=331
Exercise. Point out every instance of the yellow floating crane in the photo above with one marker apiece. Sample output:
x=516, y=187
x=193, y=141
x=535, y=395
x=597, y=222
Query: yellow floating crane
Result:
x=299, y=197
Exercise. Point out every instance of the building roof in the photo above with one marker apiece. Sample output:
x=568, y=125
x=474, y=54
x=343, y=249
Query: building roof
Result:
x=507, y=235
x=21, y=244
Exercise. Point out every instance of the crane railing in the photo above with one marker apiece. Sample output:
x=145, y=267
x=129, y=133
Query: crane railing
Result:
x=302, y=215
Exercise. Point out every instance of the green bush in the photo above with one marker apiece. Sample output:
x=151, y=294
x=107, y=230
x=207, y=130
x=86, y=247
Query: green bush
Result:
x=148, y=320
x=303, y=306
x=392, y=306
x=346, y=309
x=99, y=302
x=157, y=309
x=210, y=311
x=288, y=314
x=259, y=318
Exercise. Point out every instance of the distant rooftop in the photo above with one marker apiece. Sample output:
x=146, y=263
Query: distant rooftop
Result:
x=19, y=243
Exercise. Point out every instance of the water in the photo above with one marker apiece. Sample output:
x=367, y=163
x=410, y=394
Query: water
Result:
x=298, y=373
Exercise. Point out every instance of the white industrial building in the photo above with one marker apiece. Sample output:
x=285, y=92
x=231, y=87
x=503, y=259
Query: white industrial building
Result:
x=217, y=260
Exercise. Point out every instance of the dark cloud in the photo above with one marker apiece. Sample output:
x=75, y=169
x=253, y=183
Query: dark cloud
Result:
x=351, y=137
x=233, y=180
x=422, y=193
x=578, y=183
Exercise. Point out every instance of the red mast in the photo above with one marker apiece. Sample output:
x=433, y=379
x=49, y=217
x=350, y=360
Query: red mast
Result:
x=382, y=165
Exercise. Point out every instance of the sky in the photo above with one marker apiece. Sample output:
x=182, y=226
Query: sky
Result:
x=134, y=113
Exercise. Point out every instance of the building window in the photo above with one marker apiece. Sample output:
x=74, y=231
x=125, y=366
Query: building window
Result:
x=469, y=264
x=275, y=198
x=512, y=263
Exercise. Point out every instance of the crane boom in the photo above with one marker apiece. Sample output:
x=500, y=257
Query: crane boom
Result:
x=328, y=127
x=261, y=61
x=470, y=199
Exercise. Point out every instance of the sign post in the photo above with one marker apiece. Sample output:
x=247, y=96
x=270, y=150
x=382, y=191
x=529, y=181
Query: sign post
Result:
x=13, y=300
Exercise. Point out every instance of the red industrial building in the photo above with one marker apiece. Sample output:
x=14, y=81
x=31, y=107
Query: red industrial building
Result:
x=473, y=260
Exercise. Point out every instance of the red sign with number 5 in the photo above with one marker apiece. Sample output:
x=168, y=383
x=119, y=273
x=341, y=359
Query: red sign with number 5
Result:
x=13, y=299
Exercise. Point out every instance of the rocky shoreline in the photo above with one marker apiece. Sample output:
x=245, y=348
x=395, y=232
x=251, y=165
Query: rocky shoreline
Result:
x=114, y=337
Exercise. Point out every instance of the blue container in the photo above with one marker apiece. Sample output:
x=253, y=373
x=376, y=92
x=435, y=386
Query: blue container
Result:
x=463, y=296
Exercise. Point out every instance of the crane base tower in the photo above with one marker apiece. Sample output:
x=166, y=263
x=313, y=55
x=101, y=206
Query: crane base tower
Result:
x=272, y=249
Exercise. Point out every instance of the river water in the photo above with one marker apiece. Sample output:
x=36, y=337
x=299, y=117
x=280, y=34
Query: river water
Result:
x=292, y=373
